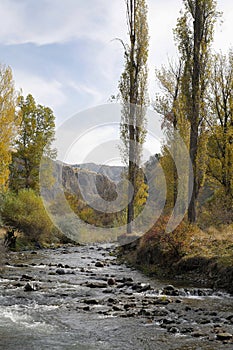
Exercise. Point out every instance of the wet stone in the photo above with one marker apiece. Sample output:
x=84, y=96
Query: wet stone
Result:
x=112, y=301
x=224, y=336
x=108, y=291
x=198, y=334
x=167, y=321
x=91, y=301
x=173, y=329
x=186, y=330
x=60, y=265
x=204, y=321
x=26, y=278
x=30, y=287
x=129, y=306
x=162, y=301
x=170, y=290
x=117, y=308
x=96, y=284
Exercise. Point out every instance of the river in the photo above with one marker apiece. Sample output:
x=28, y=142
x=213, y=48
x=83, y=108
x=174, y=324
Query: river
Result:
x=81, y=298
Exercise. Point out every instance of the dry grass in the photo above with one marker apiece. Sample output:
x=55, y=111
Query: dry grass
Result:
x=213, y=243
x=2, y=232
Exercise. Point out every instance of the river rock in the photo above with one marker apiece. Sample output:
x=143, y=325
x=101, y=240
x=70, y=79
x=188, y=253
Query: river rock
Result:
x=140, y=287
x=167, y=321
x=162, y=301
x=111, y=281
x=198, y=334
x=170, y=290
x=30, y=287
x=108, y=291
x=224, y=336
x=230, y=318
x=86, y=308
x=129, y=306
x=99, y=264
x=96, y=284
x=60, y=265
x=173, y=330
x=117, y=308
x=60, y=272
x=26, y=278
x=91, y=301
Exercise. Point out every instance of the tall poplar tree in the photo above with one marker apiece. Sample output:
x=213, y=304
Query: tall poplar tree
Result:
x=220, y=146
x=9, y=120
x=133, y=92
x=194, y=34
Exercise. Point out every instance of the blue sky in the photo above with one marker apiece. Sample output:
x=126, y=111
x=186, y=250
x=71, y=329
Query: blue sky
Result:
x=63, y=52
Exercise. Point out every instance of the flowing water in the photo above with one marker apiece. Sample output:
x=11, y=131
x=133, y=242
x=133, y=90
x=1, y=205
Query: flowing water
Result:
x=81, y=298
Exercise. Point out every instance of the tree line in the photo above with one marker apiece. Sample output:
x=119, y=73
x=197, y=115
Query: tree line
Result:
x=195, y=100
x=26, y=133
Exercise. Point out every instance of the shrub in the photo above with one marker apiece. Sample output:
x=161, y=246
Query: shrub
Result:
x=169, y=245
x=25, y=212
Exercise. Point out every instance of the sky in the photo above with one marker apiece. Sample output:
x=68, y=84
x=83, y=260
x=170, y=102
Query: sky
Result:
x=65, y=54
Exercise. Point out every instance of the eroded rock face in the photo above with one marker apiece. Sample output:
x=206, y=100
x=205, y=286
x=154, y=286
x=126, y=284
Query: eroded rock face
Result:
x=79, y=182
x=112, y=172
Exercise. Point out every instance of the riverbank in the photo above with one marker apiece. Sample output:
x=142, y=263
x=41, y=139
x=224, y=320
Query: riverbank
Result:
x=201, y=258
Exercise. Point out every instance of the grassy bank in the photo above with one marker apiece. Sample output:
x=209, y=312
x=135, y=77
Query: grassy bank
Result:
x=188, y=254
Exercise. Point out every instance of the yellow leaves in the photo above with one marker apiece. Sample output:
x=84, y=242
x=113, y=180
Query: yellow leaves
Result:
x=9, y=122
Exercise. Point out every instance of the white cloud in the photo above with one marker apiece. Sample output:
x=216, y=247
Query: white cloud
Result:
x=56, y=21
x=83, y=89
x=223, y=34
x=95, y=145
x=47, y=92
x=97, y=22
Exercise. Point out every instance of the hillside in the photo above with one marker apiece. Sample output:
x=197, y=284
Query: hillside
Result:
x=112, y=172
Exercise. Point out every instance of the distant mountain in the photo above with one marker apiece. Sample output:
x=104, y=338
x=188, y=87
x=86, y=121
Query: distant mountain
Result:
x=112, y=172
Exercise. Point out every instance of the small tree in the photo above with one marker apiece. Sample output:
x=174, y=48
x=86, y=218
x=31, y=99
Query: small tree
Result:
x=36, y=134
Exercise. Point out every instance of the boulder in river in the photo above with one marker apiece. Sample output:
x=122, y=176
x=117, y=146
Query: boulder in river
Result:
x=30, y=287
x=170, y=290
x=111, y=281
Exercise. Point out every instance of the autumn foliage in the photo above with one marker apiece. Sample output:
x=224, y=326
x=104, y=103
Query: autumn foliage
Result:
x=158, y=245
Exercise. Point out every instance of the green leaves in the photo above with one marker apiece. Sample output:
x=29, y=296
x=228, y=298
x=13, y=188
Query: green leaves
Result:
x=36, y=134
x=133, y=93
